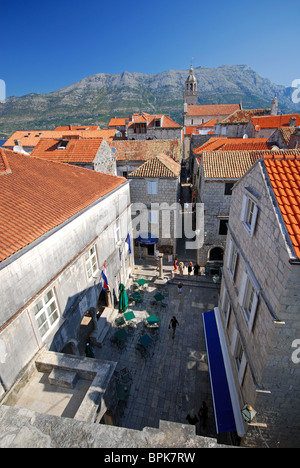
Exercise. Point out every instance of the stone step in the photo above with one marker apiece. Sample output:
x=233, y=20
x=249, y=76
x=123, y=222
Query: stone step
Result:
x=63, y=378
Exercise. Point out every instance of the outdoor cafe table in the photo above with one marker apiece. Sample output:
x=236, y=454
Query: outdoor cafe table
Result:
x=121, y=334
x=152, y=319
x=145, y=340
x=122, y=391
x=159, y=297
x=141, y=282
x=129, y=316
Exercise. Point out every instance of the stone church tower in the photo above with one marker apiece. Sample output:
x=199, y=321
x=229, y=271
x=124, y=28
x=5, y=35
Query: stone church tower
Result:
x=190, y=95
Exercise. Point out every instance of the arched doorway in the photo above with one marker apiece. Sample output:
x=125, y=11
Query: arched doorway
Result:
x=216, y=254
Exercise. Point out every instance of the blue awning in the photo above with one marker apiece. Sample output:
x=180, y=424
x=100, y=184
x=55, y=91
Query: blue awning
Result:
x=147, y=238
x=224, y=415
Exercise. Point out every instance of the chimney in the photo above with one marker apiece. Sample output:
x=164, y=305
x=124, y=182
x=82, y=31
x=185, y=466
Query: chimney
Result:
x=292, y=122
x=18, y=143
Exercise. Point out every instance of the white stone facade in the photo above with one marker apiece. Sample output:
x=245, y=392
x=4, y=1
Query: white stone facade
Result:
x=66, y=264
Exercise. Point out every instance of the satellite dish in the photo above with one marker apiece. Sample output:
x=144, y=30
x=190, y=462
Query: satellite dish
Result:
x=245, y=136
x=113, y=150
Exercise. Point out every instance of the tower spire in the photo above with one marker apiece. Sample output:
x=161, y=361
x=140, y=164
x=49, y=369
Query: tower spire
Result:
x=190, y=95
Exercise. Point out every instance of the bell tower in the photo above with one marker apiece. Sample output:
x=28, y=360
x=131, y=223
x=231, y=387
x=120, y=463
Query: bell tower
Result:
x=190, y=95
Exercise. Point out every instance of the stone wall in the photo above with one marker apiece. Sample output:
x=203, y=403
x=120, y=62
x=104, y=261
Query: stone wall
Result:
x=216, y=208
x=167, y=195
x=270, y=383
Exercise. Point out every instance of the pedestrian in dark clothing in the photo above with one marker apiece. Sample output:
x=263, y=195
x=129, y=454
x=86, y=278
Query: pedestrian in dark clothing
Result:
x=196, y=269
x=180, y=288
x=192, y=418
x=173, y=324
x=203, y=413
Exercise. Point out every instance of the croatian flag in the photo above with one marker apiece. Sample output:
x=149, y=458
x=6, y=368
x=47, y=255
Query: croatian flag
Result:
x=104, y=277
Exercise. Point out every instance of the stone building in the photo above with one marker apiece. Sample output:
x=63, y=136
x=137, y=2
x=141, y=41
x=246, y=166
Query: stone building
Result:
x=61, y=226
x=91, y=153
x=234, y=125
x=144, y=126
x=258, y=313
x=218, y=172
x=264, y=126
x=195, y=115
x=154, y=191
x=130, y=154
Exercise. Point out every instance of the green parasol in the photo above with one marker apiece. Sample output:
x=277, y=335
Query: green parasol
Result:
x=159, y=297
x=123, y=298
x=141, y=282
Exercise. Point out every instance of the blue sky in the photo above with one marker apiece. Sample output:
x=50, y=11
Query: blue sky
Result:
x=48, y=45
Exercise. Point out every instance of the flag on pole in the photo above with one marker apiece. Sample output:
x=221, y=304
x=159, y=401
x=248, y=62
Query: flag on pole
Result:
x=104, y=277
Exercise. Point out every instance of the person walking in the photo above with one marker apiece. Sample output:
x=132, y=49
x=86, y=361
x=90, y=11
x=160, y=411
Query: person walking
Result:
x=203, y=413
x=179, y=288
x=196, y=269
x=173, y=323
x=190, y=268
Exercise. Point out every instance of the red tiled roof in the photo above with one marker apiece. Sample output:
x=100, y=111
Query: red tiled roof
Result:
x=234, y=164
x=244, y=115
x=166, y=122
x=142, y=150
x=275, y=121
x=39, y=195
x=210, y=123
x=284, y=175
x=78, y=127
x=159, y=166
x=32, y=137
x=4, y=166
x=118, y=122
x=213, y=109
x=228, y=164
x=82, y=150
x=233, y=144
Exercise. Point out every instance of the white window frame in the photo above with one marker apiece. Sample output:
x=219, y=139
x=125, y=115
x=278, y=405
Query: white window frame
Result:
x=44, y=311
x=152, y=187
x=226, y=306
x=238, y=354
x=118, y=230
x=232, y=259
x=153, y=216
x=248, y=298
x=91, y=262
x=249, y=214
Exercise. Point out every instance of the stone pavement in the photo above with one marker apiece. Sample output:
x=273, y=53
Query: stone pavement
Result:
x=174, y=380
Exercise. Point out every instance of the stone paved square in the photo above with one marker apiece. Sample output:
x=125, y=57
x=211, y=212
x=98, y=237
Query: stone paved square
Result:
x=174, y=379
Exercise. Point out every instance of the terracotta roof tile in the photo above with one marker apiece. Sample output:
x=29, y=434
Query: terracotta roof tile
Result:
x=82, y=150
x=275, y=121
x=213, y=109
x=284, y=175
x=32, y=137
x=241, y=116
x=159, y=166
x=228, y=164
x=39, y=195
x=232, y=144
x=142, y=150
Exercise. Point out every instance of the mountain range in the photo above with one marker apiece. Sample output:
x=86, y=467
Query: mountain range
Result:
x=98, y=98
